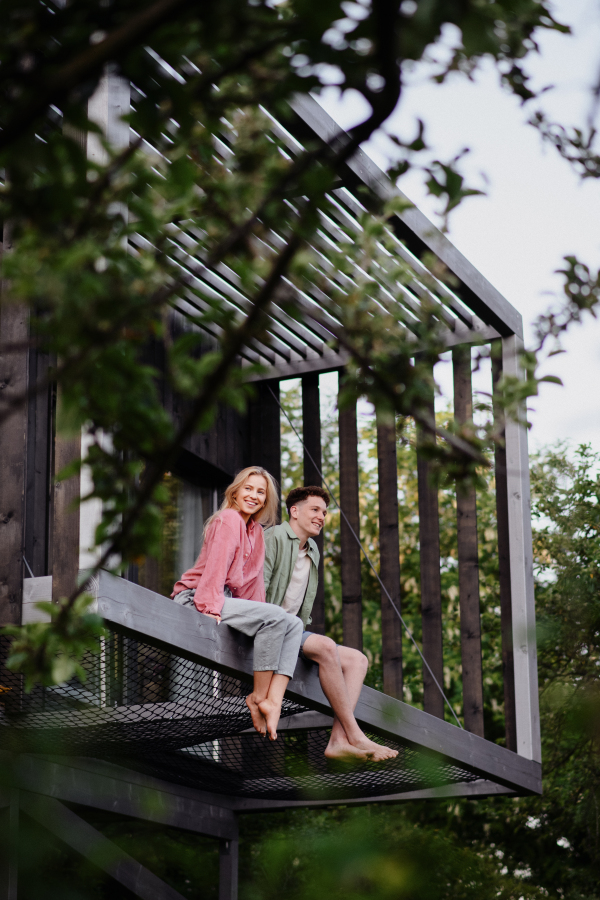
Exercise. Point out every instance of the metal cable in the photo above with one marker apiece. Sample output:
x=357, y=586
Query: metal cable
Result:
x=366, y=555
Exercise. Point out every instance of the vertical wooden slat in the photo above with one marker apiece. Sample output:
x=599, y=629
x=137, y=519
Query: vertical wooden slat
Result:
x=311, y=433
x=391, y=627
x=468, y=560
x=265, y=429
x=350, y=551
x=14, y=329
x=37, y=490
x=508, y=668
x=65, y=519
x=431, y=587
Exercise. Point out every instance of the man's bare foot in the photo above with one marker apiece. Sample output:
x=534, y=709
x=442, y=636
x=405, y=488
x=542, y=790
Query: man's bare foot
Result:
x=374, y=752
x=344, y=751
x=271, y=711
x=258, y=720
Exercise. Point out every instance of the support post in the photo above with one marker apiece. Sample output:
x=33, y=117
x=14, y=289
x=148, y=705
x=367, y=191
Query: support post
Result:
x=91, y=844
x=350, y=551
x=527, y=715
x=14, y=329
x=9, y=875
x=389, y=539
x=431, y=586
x=508, y=668
x=468, y=560
x=311, y=431
x=265, y=429
x=228, y=869
x=65, y=519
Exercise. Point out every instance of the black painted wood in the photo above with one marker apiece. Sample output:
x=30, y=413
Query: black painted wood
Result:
x=413, y=227
x=468, y=560
x=117, y=789
x=264, y=447
x=311, y=434
x=349, y=549
x=38, y=467
x=228, y=869
x=391, y=627
x=431, y=587
x=14, y=329
x=508, y=668
x=90, y=843
x=65, y=519
x=141, y=614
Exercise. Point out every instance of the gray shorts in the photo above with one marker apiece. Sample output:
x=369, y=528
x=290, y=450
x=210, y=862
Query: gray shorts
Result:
x=305, y=635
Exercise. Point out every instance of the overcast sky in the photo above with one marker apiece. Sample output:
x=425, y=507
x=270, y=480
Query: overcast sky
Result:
x=536, y=209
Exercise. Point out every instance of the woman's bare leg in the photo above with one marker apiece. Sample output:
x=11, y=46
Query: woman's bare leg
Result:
x=270, y=707
x=262, y=683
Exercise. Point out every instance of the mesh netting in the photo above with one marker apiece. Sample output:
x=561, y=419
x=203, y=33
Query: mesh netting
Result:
x=175, y=719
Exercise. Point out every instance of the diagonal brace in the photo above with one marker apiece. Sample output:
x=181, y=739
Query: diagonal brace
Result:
x=87, y=840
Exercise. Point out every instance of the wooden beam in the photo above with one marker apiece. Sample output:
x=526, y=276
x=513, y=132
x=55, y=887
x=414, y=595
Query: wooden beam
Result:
x=90, y=843
x=389, y=550
x=418, y=232
x=138, y=613
x=37, y=483
x=479, y=788
x=65, y=518
x=527, y=712
x=311, y=434
x=228, y=869
x=468, y=560
x=431, y=586
x=120, y=790
x=265, y=429
x=14, y=329
x=506, y=624
x=349, y=549
x=9, y=829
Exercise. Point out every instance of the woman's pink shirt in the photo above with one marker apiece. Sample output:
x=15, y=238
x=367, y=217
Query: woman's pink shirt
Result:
x=233, y=555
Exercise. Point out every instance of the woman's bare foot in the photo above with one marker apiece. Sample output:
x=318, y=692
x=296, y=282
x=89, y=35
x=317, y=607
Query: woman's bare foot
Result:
x=344, y=751
x=271, y=711
x=258, y=720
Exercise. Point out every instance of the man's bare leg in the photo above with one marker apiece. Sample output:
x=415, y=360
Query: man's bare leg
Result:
x=342, y=671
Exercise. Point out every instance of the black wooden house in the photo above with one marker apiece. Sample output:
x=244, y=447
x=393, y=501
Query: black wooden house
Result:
x=159, y=730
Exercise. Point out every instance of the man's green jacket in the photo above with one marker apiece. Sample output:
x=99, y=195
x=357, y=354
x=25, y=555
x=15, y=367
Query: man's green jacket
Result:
x=281, y=552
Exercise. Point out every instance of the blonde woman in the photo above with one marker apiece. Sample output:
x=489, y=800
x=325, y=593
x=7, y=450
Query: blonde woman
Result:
x=227, y=584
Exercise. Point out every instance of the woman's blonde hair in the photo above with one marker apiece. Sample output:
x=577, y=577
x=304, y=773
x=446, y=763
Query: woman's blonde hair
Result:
x=267, y=515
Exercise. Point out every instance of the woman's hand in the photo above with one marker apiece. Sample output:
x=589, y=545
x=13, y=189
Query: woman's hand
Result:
x=217, y=618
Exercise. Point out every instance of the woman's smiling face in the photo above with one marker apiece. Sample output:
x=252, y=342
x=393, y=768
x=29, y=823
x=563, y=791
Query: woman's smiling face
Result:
x=252, y=496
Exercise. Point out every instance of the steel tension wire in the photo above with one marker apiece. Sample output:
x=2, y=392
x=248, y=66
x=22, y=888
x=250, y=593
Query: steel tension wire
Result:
x=368, y=559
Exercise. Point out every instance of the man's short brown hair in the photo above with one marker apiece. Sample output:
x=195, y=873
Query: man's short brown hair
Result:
x=300, y=494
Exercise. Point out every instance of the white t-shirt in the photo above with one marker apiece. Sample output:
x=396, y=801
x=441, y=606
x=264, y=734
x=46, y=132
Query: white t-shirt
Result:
x=296, y=591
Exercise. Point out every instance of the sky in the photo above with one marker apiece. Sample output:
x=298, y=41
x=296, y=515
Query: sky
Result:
x=536, y=209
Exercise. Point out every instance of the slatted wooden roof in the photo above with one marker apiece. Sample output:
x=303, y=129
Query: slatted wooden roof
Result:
x=471, y=311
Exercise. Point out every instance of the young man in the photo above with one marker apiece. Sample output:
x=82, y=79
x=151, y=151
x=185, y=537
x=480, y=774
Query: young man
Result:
x=291, y=577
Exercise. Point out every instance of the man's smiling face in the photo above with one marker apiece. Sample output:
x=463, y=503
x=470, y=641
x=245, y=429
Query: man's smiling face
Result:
x=310, y=515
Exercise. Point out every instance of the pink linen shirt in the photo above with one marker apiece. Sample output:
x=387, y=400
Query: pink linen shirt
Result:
x=232, y=555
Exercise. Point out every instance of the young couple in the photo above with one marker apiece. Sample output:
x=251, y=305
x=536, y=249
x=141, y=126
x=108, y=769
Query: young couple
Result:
x=264, y=584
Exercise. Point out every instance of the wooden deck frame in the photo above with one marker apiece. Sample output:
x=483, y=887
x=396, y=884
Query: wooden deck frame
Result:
x=137, y=612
